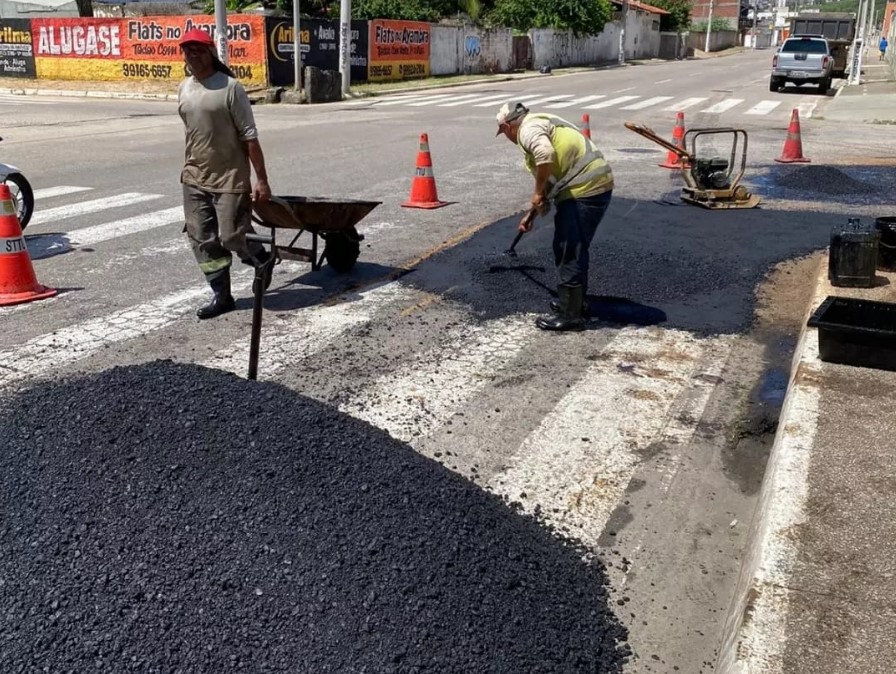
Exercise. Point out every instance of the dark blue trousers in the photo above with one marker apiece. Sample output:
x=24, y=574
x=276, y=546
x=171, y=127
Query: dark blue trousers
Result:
x=575, y=224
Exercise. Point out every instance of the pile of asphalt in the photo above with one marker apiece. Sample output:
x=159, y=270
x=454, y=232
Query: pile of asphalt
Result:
x=173, y=518
x=824, y=179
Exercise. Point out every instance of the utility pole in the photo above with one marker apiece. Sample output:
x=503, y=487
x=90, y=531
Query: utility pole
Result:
x=857, y=46
x=708, y=27
x=753, y=30
x=345, y=44
x=221, y=30
x=622, y=32
x=296, y=45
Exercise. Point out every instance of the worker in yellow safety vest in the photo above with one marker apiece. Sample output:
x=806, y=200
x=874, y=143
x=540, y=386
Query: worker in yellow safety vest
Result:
x=571, y=173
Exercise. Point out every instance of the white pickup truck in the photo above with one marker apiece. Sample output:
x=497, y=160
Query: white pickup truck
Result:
x=802, y=59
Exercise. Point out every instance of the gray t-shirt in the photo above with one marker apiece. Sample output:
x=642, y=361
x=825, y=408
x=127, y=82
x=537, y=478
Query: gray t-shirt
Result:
x=218, y=120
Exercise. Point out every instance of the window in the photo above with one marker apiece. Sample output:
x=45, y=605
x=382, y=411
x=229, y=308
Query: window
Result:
x=804, y=46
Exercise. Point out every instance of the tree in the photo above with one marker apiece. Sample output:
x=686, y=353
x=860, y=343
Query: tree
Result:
x=583, y=17
x=679, y=17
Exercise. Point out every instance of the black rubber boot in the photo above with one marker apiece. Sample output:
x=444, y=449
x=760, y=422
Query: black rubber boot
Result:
x=586, y=308
x=569, y=316
x=222, y=302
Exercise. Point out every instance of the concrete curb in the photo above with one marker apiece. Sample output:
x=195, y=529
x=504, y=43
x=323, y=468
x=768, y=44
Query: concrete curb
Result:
x=755, y=635
x=81, y=93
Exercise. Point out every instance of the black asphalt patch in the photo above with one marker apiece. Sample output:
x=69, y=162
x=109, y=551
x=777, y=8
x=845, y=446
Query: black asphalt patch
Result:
x=174, y=518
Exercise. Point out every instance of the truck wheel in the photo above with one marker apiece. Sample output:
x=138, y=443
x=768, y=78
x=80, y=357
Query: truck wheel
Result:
x=824, y=85
x=775, y=84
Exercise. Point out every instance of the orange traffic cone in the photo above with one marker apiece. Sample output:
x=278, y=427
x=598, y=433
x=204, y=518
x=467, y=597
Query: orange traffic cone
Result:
x=423, y=187
x=586, y=126
x=673, y=161
x=793, y=146
x=18, y=283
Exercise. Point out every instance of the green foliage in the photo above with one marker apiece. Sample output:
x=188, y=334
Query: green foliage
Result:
x=718, y=23
x=581, y=16
x=406, y=10
x=679, y=17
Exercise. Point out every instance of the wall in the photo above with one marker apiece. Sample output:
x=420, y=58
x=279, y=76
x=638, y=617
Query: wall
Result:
x=470, y=50
x=561, y=48
x=672, y=46
x=718, y=40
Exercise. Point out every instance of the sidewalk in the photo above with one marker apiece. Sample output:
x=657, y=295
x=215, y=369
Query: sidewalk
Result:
x=871, y=102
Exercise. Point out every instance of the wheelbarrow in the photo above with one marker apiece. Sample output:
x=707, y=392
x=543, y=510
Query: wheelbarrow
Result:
x=332, y=220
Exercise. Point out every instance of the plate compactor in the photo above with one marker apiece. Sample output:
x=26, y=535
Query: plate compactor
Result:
x=710, y=182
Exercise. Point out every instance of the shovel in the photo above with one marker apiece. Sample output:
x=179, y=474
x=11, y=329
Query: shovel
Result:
x=510, y=252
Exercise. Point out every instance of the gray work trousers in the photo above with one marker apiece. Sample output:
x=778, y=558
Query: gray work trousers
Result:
x=216, y=224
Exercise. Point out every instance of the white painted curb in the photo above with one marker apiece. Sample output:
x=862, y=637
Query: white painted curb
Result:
x=755, y=634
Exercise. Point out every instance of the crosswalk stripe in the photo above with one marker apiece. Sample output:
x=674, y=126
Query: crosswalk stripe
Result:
x=430, y=101
x=576, y=101
x=640, y=105
x=763, y=108
x=60, y=191
x=308, y=330
x=611, y=102
x=464, y=100
x=89, y=236
x=422, y=395
x=506, y=98
x=684, y=104
x=395, y=100
x=723, y=106
x=74, y=342
x=547, y=99
x=93, y=206
x=576, y=465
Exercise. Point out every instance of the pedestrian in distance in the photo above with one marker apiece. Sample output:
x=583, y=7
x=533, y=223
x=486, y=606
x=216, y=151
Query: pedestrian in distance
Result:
x=221, y=143
x=883, y=47
x=571, y=173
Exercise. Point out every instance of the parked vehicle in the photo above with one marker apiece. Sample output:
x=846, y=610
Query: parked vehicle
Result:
x=21, y=192
x=802, y=60
x=838, y=28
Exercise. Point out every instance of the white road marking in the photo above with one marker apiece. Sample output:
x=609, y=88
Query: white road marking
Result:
x=578, y=462
x=306, y=331
x=611, y=102
x=87, y=207
x=806, y=109
x=401, y=101
x=723, y=106
x=413, y=401
x=463, y=100
x=577, y=101
x=60, y=191
x=619, y=91
x=430, y=101
x=640, y=105
x=546, y=99
x=663, y=81
x=89, y=236
x=506, y=99
x=763, y=108
x=684, y=104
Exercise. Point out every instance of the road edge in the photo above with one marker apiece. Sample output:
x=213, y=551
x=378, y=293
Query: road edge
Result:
x=754, y=636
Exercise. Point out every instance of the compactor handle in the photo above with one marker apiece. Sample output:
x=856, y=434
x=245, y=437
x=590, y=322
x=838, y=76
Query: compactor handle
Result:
x=648, y=133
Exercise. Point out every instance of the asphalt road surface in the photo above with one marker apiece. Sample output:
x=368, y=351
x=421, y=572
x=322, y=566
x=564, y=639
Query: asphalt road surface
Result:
x=644, y=437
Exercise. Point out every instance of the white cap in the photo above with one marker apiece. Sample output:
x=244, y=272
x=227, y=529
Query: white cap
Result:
x=510, y=111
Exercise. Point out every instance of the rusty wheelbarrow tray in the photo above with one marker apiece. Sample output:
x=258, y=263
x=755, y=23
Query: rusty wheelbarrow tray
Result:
x=332, y=220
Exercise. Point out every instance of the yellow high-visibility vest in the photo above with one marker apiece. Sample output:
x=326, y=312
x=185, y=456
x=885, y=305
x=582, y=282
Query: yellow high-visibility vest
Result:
x=580, y=169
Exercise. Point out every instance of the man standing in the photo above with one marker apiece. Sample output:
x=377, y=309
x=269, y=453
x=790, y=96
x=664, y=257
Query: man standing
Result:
x=221, y=141
x=882, y=45
x=570, y=171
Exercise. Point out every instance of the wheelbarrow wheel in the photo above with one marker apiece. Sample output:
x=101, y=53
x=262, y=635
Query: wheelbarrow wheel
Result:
x=342, y=250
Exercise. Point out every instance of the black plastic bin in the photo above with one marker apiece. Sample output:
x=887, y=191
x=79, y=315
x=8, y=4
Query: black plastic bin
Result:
x=852, y=260
x=856, y=332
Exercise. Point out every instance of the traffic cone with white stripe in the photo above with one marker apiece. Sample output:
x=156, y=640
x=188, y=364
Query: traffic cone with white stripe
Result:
x=793, y=145
x=18, y=284
x=586, y=125
x=673, y=161
x=423, y=187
